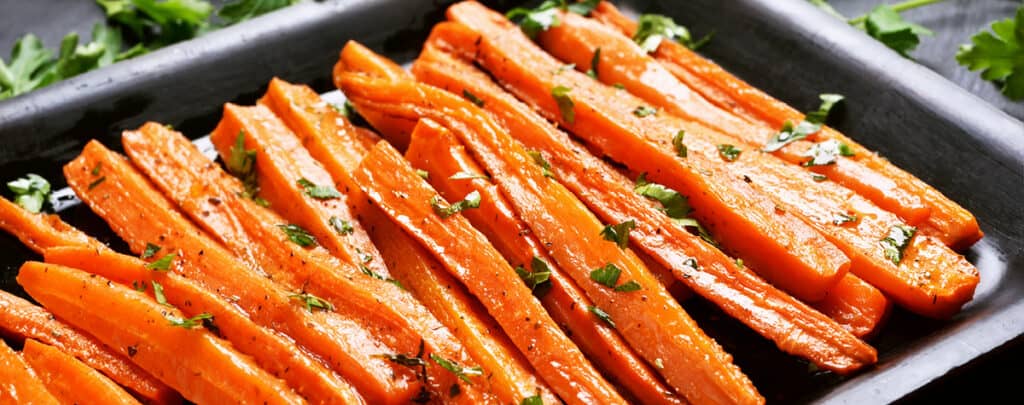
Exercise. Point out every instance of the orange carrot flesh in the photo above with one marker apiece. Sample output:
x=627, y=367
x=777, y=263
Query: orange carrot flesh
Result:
x=392, y=184
x=772, y=313
x=22, y=320
x=69, y=380
x=289, y=179
x=397, y=321
x=19, y=384
x=661, y=326
x=137, y=212
x=947, y=220
x=785, y=249
x=202, y=367
x=860, y=307
x=41, y=231
x=434, y=150
x=275, y=353
x=603, y=115
x=623, y=62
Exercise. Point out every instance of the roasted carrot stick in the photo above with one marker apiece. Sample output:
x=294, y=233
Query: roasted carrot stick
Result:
x=787, y=251
x=858, y=306
x=19, y=384
x=392, y=184
x=709, y=375
x=273, y=352
x=187, y=357
x=396, y=318
x=137, y=212
x=40, y=231
x=772, y=313
x=20, y=319
x=623, y=62
x=69, y=380
x=937, y=285
x=947, y=220
x=433, y=149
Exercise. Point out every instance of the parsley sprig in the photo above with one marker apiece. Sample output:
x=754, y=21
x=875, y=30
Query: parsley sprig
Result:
x=30, y=192
x=471, y=200
x=999, y=55
x=885, y=24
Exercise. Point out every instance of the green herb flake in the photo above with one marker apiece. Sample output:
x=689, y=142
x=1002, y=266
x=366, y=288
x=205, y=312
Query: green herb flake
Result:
x=818, y=177
x=538, y=279
x=341, y=226
x=462, y=372
x=158, y=294
x=473, y=98
x=898, y=239
x=643, y=111
x=96, y=169
x=318, y=192
x=842, y=218
x=600, y=314
x=162, y=264
x=533, y=400
x=607, y=276
x=472, y=200
x=241, y=10
x=885, y=24
x=998, y=54
x=677, y=143
x=403, y=359
x=628, y=286
x=190, y=323
x=538, y=158
x=30, y=191
x=565, y=104
x=619, y=233
x=311, y=301
x=150, y=250
x=533, y=21
x=652, y=28
x=423, y=174
x=594, y=61
x=729, y=152
x=241, y=163
x=810, y=125
x=826, y=153
x=582, y=7
x=675, y=205
x=298, y=235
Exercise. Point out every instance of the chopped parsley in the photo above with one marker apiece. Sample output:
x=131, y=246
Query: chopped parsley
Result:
x=190, y=323
x=158, y=294
x=826, y=153
x=97, y=182
x=96, y=169
x=896, y=242
x=643, y=111
x=729, y=152
x=538, y=158
x=677, y=143
x=473, y=98
x=673, y=204
x=538, y=279
x=318, y=192
x=811, y=124
x=841, y=218
x=608, y=276
x=150, y=250
x=423, y=174
x=565, y=104
x=652, y=28
x=594, y=61
x=533, y=21
x=619, y=233
x=462, y=372
x=241, y=163
x=162, y=264
x=311, y=301
x=30, y=191
x=341, y=226
x=298, y=235
x=999, y=55
x=533, y=400
x=600, y=314
x=472, y=200
x=465, y=175
x=818, y=177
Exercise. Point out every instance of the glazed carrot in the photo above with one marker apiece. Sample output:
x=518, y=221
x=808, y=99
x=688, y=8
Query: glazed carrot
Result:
x=40, y=231
x=137, y=212
x=285, y=173
x=20, y=319
x=434, y=150
x=18, y=383
x=741, y=294
x=273, y=352
x=393, y=185
x=69, y=380
x=400, y=129
x=784, y=249
x=667, y=335
x=947, y=220
x=193, y=361
x=397, y=320
x=860, y=307
x=935, y=285
x=623, y=62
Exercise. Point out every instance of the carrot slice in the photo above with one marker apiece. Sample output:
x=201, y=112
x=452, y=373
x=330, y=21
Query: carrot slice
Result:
x=623, y=62
x=389, y=181
x=434, y=150
x=772, y=313
x=22, y=320
x=18, y=383
x=663, y=332
x=860, y=307
x=947, y=221
x=603, y=116
x=398, y=321
x=273, y=352
x=69, y=380
x=785, y=249
x=202, y=367
x=137, y=212
x=40, y=231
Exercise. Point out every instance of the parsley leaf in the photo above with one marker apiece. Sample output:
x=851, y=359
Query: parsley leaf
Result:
x=162, y=264
x=534, y=400
x=607, y=276
x=538, y=280
x=594, y=61
x=677, y=142
x=423, y=174
x=652, y=28
x=30, y=192
x=898, y=239
x=999, y=55
x=462, y=372
x=826, y=152
x=241, y=163
x=473, y=98
x=583, y=7
x=341, y=226
x=241, y=10
x=190, y=323
x=565, y=104
x=403, y=359
x=158, y=294
x=150, y=250
x=674, y=205
x=533, y=21
x=811, y=124
x=618, y=233
x=311, y=301
x=842, y=218
x=885, y=24
x=729, y=152
x=318, y=192
x=472, y=200
x=26, y=69
x=628, y=286
x=298, y=235
x=600, y=314
x=538, y=158
x=643, y=111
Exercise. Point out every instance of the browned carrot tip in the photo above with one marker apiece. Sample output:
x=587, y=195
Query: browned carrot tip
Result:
x=858, y=306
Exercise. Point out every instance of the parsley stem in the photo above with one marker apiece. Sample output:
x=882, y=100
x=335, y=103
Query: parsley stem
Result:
x=898, y=7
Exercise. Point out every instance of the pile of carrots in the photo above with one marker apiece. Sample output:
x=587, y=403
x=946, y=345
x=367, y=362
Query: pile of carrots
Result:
x=508, y=256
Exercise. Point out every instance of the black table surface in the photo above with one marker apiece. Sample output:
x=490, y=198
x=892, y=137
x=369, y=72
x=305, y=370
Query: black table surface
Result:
x=953, y=21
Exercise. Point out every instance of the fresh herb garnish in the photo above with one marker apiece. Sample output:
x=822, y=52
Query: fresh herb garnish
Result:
x=818, y=177
x=465, y=175
x=423, y=174
x=652, y=28
x=999, y=55
x=158, y=294
x=318, y=192
x=150, y=250
x=30, y=191
x=139, y=286
x=538, y=158
x=473, y=98
x=896, y=242
x=538, y=279
x=594, y=61
x=97, y=182
x=403, y=359
x=96, y=169
x=843, y=218
x=462, y=372
x=885, y=24
x=241, y=163
x=583, y=7
x=826, y=152
x=533, y=21
x=162, y=264
x=618, y=233
x=600, y=314
x=298, y=235
x=673, y=204
x=341, y=226
x=729, y=152
x=565, y=104
x=811, y=124
x=628, y=286
x=534, y=400
x=677, y=142
x=190, y=323
x=472, y=200
x=643, y=111
x=608, y=276
x=311, y=301
x=241, y=10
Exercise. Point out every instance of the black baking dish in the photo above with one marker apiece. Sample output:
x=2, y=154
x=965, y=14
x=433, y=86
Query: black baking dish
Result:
x=923, y=123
